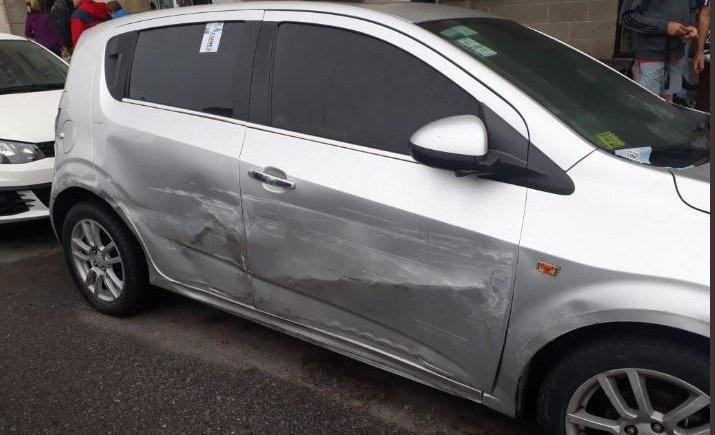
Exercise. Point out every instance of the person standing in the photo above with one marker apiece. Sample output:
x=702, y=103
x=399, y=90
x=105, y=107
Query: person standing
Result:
x=40, y=28
x=87, y=14
x=659, y=31
x=61, y=19
x=703, y=33
x=700, y=66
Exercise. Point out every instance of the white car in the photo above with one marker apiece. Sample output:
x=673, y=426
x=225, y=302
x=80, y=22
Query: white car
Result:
x=31, y=83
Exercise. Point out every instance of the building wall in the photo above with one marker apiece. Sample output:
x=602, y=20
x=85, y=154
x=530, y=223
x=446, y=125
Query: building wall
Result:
x=12, y=16
x=590, y=25
x=4, y=25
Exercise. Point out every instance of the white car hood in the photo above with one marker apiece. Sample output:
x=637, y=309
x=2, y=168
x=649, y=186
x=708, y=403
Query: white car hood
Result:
x=694, y=186
x=29, y=116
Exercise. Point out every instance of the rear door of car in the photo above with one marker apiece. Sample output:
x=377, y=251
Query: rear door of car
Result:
x=346, y=232
x=170, y=121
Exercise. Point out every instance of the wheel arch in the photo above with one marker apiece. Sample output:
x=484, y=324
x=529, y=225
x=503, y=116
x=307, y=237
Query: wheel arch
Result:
x=535, y=370
x=64, y=200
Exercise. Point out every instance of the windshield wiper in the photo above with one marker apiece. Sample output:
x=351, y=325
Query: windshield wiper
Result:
x=31, y=88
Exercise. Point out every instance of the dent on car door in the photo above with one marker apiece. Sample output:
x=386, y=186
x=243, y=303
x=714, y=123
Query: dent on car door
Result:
x=362, y=242
x=170, y=153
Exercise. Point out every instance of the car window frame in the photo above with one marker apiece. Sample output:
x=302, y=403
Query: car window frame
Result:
x=425, y=46
x=253, y=16
x=260, y=92
x=476, y=105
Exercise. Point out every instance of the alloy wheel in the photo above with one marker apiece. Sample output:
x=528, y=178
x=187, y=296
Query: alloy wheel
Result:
x=633, y=401
x=97, y=260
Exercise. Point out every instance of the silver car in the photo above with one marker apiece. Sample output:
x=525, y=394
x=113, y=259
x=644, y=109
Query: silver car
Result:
x=294, y=163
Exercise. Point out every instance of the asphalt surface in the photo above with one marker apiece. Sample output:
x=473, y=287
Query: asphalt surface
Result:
x=181, y=367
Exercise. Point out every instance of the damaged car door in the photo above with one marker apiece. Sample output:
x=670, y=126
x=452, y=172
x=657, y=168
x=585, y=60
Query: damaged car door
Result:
x=172, y=146
x=348, y=235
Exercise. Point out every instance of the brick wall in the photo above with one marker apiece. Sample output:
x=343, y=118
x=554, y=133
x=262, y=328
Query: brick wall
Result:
x=589, y=25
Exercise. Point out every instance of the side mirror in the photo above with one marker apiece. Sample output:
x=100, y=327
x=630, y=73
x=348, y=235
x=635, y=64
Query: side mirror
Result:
x=458, y=143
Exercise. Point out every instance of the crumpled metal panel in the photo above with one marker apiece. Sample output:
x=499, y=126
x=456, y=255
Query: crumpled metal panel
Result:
x=431, y=294
x=183, y=198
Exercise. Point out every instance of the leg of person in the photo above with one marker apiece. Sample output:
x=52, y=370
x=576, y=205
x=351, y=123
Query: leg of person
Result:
x=685, y=68
x=703, y=96
x=676, y=82
x=651, y=75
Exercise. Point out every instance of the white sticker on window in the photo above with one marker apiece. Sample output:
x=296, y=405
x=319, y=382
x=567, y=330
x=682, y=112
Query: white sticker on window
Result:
x=640, y=155
x=212, y=37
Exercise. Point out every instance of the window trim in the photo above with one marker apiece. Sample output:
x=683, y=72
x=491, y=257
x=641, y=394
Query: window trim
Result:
x=272, y=17
x=123, y=82
x=558, y=181
x=410, y=44
x=257, y=24
x=186, y=18
x=271, y=55
x=455, y=73
x=276, y=130
x=531, y=114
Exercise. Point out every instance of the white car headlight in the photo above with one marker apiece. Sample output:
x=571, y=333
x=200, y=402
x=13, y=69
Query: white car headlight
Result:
x=18, y=152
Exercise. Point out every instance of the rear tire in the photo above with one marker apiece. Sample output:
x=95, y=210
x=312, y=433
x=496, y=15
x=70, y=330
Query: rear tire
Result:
x=574, y=389
x=104, y=259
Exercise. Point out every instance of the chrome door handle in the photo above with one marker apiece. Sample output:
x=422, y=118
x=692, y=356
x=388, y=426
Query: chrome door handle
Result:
x=271, y=179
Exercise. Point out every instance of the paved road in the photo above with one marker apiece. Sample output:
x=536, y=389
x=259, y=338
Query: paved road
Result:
x=182, y=367
x=21, y=240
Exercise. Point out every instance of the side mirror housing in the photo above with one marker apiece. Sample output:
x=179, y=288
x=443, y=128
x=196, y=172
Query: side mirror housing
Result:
x=458, y=143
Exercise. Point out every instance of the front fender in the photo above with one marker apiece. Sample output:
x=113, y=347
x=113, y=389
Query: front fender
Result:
x=546, y=308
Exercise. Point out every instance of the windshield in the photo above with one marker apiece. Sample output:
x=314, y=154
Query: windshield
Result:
x=604, y=107
x=27, y=67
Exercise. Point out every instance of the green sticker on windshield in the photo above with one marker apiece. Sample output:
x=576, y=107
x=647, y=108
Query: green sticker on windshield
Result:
x=458, y=32
x=610, y=140
x=475, y=47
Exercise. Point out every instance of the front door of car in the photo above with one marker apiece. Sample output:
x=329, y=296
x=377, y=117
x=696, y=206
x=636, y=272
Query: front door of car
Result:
x=347, y=233
x=171, y=145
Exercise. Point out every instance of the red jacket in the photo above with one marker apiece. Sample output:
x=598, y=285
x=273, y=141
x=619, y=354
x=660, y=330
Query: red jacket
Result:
x=87, y=14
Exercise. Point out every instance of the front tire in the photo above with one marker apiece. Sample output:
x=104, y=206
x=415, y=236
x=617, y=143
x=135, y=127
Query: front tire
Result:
x=628, y=386
x=104, y=259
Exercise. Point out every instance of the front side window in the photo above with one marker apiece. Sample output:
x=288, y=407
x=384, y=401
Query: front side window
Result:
x=354, y=88
x=204, y=67
x=607, y=109
x=27, y=67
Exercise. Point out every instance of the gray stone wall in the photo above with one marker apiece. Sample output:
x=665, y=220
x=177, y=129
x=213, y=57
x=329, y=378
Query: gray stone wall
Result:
x=4, y=24
x=589, y=25
x=12, y=16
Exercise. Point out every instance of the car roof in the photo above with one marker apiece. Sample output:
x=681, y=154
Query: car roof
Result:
x=420, y=12
x=405, y=11
x=7, y=36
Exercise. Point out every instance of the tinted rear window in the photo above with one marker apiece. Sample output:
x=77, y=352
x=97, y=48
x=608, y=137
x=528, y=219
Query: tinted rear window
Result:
x=178, y=66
